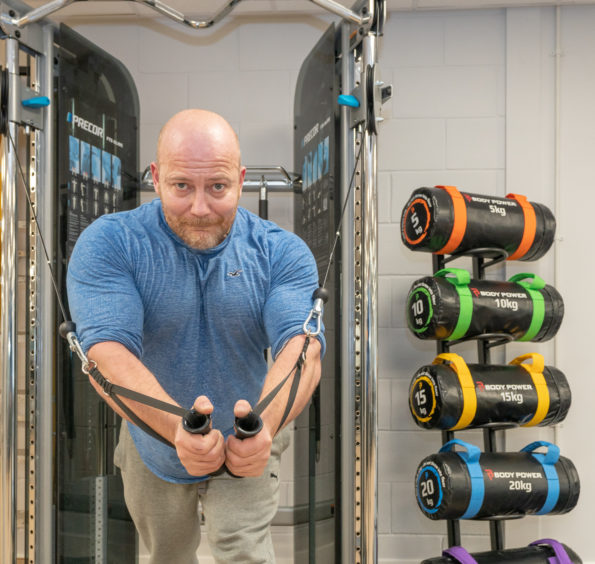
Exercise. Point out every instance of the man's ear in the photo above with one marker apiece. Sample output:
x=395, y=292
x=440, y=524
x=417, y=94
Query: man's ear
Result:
x=155, y=175
x=242, y=176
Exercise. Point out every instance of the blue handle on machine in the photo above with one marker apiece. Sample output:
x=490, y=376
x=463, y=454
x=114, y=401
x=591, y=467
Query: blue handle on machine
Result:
x=36, y=102
x=348, y=100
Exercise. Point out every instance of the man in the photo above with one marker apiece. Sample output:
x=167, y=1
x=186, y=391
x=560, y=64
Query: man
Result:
x=177, y=299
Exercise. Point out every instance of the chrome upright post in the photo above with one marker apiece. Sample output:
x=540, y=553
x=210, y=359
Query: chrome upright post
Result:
x=8, y=305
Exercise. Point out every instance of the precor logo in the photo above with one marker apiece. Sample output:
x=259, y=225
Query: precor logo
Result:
x=78, y=121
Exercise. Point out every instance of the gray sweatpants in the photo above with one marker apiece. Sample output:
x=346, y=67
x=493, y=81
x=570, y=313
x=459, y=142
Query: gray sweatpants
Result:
x=238, y=512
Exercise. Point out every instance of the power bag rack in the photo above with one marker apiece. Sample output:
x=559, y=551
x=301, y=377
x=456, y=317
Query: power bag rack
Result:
x=482, y=259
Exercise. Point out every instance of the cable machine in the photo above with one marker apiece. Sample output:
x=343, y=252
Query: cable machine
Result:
x=29, y=138
x=27, y=135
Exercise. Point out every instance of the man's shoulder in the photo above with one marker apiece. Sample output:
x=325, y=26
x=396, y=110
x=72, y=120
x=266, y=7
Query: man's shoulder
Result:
x=283, y=248
x=266, y=230
x=142, y=218
x=117, y=233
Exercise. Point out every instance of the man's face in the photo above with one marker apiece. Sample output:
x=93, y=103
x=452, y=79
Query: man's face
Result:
x=199, y=191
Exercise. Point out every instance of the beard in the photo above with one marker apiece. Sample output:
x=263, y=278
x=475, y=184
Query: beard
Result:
x=200, y=233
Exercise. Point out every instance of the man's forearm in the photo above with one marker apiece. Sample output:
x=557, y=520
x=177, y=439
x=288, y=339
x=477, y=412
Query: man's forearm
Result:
x=121, y=367
x=310, y=377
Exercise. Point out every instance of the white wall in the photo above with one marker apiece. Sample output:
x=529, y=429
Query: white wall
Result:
x=575, y=266
x=474, y=106
x=446, y=126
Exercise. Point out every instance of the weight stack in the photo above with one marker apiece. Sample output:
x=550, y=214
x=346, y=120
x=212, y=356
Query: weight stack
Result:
x=452, y=395
x=451, y=306
x=470, y=484
x=443, y=220
x=544, y=551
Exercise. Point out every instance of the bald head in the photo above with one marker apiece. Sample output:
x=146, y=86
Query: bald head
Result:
x=197, y=130
x=198, y=177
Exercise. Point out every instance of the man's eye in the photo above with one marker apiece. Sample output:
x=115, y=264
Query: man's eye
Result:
x=218, y=187
x=181, y=185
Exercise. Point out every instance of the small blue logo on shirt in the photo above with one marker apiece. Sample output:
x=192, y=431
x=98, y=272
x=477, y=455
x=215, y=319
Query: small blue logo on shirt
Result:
x=235, y=273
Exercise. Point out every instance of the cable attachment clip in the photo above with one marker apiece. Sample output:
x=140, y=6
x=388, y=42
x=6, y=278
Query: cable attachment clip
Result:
x=68, y=332
x=320, y=297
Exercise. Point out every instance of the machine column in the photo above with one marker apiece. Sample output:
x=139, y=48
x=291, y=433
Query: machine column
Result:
x=46, y=326
x=8, y=304
x=348, y=367
x=369, y=330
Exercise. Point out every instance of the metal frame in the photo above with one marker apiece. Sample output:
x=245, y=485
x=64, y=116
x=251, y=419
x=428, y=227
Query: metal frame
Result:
x=359, y=280
x=166, y=10
x=369, y=329
x=360, y=289
x=348, y=151
x=30, y=135
x=9, y=326
x=46, y=304
x=32, y=338
x=276, y=179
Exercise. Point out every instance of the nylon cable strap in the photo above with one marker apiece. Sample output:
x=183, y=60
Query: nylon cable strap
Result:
x=113, y=391
x=543, y=394
x=264, y=403
x=295, y=384
x=467, y=388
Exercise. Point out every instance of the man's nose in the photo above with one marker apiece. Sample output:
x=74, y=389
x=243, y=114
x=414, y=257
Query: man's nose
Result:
x=200, y=204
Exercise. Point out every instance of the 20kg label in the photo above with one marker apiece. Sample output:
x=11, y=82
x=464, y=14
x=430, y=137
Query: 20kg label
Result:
x=520, y=485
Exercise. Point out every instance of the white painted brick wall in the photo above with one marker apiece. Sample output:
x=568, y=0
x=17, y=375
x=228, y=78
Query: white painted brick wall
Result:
x=473, y=106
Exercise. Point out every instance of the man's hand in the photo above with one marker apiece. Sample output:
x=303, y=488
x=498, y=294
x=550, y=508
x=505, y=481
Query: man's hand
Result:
x=200, y=454
x=248, y=457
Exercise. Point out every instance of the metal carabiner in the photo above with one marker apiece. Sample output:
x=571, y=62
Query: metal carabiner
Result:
x=320, y=297
x=68, y=332
x=88, y=366
x=75, y=347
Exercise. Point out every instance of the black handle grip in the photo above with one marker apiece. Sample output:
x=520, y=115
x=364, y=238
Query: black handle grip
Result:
x=245, y=427
x=248, y=426
x=196, y=423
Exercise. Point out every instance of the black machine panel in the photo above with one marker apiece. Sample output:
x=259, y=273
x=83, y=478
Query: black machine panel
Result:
x=316, y=213
x=315, y=124
x=97, y=128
